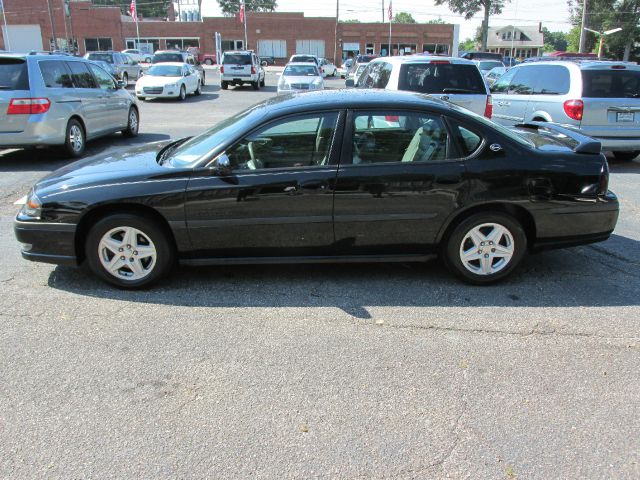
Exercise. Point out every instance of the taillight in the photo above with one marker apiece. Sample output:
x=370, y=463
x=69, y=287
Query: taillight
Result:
x=440, y=62
x=488, y=108
x=221, y=68
x=574, y=109
x=27, y=106
x=253, y=70
x=603, y=183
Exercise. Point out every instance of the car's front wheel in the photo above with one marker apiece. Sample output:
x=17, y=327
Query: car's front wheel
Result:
x=183, y=93
x=133, y=123
x=224, y=85
x=129, y=251
x=125, y=79
x=75, y=139
x=485, y=248
x=626, y=156
x=198, y=89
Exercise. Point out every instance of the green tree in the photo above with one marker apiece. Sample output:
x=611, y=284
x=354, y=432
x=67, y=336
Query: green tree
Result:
x=469, y=8
x=468, y=45
x=437, y=21
x=554, y=41
x=403, y=17
x=146, y=10
x=232, y=7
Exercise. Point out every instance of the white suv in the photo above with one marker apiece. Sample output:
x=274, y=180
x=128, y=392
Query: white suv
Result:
x=240, y=67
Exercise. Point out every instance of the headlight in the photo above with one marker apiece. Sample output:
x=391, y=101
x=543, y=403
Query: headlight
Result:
x=33, y=207
x=171, y=85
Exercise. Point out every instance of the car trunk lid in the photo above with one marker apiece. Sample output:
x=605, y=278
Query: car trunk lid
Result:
x=611, y=99
x=14, y=84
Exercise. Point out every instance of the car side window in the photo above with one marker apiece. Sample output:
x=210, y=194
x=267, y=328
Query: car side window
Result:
x=105, y=81
x=398, y=137
x=469, y=141
x=55, y=74
x=524, y=81
x=81, y=75
x=554, y=80
x=300, y=141
x=502, y=84
x=384, y=74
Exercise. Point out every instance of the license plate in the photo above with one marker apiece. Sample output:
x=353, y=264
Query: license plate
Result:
x=625, y=117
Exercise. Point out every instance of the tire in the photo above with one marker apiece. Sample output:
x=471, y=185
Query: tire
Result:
x=147, y=60
x=183, y=93
x=198, y=90
x=256, y=85
x=264, y=79
x=626, y=156
x=152, y=253
x=208, y=61
x=75, y=139
x=125, y=79
x=511, y=240
x=204, y=78
x=224, y=85
x=133, y=123
x=142, y=99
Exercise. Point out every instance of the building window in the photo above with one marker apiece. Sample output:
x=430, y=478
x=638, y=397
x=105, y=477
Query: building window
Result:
x=370, y=50
x=231, y=45
x=406, y=48
x=182, y=43
x=97, y=44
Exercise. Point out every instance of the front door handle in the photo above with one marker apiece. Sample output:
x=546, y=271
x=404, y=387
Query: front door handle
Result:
x=448, y=179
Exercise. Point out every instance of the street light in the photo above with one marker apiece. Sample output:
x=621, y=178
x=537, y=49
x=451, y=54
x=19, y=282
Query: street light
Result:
x=602, y=35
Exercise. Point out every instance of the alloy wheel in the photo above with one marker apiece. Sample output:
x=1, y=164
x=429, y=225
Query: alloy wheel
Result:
x=76, y=138
x=127, y=253
x=487, y=249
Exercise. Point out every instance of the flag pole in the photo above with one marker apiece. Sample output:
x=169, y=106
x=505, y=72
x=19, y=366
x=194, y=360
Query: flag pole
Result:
x=246, y=42
x=390, y=22
x=7, y=43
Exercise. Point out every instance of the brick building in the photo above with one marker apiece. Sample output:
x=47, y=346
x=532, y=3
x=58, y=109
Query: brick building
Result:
x=32, y=24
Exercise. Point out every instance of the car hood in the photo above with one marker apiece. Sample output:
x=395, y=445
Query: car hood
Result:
x=150, y=80
x=121, y=165
x=300, y=79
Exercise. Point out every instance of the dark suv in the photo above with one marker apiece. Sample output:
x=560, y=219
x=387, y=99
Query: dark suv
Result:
x=164, y=56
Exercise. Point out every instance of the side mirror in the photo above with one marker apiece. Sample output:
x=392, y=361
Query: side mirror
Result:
x=222, y=165
x=350, y=83
x=120, y=84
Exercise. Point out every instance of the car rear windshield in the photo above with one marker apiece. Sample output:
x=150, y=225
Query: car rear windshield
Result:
x=103, y=57
x=300, y=71
x=441, y=78
x=303, y=58
x=611, y=83
x=166, y=57
x=235, y=59
x=13, y=74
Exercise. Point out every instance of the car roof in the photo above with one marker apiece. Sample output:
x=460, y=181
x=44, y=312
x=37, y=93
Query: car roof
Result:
x=419, y=58
x=172, y=64
x=300, y=64
x=40, y=56
x=585, y=64
x=239, y=52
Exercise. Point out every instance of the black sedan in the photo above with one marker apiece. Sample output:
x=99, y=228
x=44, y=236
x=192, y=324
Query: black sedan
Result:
x=332, y=176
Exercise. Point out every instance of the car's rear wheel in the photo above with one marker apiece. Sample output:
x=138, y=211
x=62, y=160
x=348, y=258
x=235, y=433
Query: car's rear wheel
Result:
x=198, y=90
x=224, y=85
x=75, y=139
x=147, y=60
x=485, y=247
x=204, y=78
x=626, y=156
x=208, y=61
x=125, y=79
x=133, y=123
x=183, y=93
x=256, y=85
x=263, y=81
x=129, y=251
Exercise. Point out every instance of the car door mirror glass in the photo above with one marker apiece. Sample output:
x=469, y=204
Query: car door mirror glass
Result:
x=222, y=165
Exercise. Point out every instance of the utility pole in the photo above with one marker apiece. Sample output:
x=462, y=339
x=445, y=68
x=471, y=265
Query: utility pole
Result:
x=53, y=28
x=335, y=45
x=382, y=11
x=583, y=34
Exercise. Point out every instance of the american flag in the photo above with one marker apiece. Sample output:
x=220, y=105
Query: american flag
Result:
x=242, y=11
x=133, y=11
x=390, y=10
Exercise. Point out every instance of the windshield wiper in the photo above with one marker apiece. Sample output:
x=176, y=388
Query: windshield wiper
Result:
x=164, y=152
x=457, y=90
x=5, y=87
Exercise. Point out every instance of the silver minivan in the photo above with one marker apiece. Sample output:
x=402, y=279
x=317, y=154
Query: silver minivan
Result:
x=598, y=99
x=125, y=66
x=61, y=100
x=453, y=79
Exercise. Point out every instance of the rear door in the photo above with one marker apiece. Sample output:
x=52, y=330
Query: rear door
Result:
x=459, y=83
x=116, y=108
x=14, y=83
x=510, y=106
x=91, y=96
x=611, y=99
x=237, y=65
x=400, y=177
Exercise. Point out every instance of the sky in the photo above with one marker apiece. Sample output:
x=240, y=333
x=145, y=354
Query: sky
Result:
x=553, y=14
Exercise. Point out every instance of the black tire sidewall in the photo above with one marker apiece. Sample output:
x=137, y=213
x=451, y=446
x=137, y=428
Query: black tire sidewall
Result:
x=164, y=251
x=183, y=93
x=67, y=145
x=125, y=79
x=626, y=156
x=224, y=85
x=451, y=248
x=127, y=131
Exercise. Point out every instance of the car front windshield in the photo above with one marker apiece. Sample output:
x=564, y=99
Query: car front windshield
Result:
x=165, y=71
x=103, y=57
x=189, y=153
x=300, y=71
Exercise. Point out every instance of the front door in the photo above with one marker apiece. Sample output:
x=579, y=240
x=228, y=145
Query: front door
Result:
x=398, y=181
x=278, y=199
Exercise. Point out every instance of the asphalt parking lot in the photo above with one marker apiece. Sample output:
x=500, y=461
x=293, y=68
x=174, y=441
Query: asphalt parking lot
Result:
x=318, y=371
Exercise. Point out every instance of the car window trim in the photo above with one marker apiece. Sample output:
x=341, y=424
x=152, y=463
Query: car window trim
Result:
x=44, y=83
x=453, y=125
x=214, y=153
x=347, y=150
